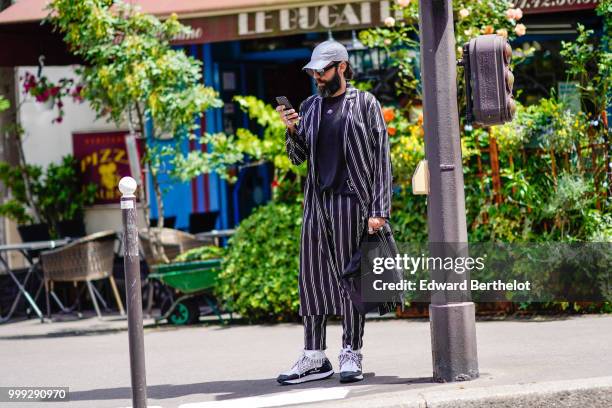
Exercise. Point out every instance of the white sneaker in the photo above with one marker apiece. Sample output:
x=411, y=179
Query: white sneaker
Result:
x=350, y=365
x=307, y=368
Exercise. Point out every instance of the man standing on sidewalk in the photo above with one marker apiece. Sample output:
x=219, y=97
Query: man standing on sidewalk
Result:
x=342, y=134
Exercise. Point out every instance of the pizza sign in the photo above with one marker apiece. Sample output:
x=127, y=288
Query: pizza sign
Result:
x=103, y=160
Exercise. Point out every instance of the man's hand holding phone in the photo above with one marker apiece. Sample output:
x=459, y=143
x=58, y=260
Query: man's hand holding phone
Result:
x=288, y=115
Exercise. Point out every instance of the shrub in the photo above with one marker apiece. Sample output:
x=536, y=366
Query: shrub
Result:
x=260, y=272
x=203, y=253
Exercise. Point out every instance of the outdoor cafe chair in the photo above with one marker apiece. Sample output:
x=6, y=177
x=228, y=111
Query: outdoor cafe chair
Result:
x=83, y=260
x=173, y=241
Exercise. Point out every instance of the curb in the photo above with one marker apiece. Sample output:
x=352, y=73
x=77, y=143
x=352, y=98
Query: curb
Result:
x=580, y=393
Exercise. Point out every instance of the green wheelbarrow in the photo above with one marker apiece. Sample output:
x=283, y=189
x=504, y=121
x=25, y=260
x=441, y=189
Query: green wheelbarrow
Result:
x=190, y=281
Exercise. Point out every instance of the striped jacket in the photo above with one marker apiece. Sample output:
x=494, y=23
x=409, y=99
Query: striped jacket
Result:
x=366, y=148
x=367, y=157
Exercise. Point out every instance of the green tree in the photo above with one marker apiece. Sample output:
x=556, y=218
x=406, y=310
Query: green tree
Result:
x=245, y=148
x=134, y=75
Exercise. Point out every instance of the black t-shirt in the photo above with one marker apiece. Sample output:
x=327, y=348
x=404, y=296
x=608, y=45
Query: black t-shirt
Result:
x=330, y=163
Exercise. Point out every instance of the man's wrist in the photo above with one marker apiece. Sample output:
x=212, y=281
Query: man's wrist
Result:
x=379, y=214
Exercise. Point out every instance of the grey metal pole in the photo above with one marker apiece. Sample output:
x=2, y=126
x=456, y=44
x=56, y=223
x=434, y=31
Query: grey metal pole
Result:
x=131, y=262
x=452, y=315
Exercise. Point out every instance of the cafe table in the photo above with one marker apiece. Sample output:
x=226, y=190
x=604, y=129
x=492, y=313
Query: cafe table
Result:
x=26, y=249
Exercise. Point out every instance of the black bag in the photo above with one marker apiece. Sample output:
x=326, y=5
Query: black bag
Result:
x=381, y=243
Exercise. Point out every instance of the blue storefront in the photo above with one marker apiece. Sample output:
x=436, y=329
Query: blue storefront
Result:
x=264, y=64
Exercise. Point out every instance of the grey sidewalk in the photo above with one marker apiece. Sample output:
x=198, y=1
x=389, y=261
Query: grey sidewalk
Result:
x=568, y=361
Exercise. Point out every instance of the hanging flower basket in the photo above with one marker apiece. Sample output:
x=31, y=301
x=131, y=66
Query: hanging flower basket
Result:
x=48, y=95
x=45, y=106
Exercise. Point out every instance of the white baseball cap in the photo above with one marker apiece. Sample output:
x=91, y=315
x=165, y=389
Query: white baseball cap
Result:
x=325, y=53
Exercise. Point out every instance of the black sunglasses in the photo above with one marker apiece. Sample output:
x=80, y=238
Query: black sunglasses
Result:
x=322, y=71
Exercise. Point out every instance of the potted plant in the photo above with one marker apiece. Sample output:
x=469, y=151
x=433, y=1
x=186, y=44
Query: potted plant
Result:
x=49, y=94
x=62, y=198
x=54, y=205
x=21, y=207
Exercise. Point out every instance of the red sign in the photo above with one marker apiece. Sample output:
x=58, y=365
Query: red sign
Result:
x=103, y=160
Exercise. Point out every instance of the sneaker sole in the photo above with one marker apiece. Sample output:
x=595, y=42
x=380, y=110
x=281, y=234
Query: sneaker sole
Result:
x=313, y=377
x=351, y=379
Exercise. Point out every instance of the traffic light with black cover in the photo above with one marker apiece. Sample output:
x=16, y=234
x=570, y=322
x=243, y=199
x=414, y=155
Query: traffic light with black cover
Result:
x=489, y=81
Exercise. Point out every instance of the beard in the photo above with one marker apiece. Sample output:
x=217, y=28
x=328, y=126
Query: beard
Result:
x=330, y=87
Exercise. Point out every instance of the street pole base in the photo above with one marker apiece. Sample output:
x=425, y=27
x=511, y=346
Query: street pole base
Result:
x=453, y=341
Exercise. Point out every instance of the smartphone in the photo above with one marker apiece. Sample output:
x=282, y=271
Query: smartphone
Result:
x=282, y=100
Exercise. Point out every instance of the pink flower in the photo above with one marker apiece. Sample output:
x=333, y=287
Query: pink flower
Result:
x=520, y=29
x=403, y=3
x=389, y=21
x=463, y=13
x=514, y=14
x=518, y=14
x=76, y=93
x=43, y=96
x=387, y=41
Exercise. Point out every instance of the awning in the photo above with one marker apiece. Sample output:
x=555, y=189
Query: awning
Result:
x=35, y=10
x=211, y=21
x=24, y=39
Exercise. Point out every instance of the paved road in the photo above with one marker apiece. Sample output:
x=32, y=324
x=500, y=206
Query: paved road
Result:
x=214, y=366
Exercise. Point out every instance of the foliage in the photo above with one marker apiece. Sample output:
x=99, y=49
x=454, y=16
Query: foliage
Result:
x=472, y=18
x=45, y=91
x=407, y=218
x=260, y=272
x=544, y=164
x=203, y=253
x=542, y=154
x=407, y=144
x=590, y=64
x=60, y=195
x=56, y=192
x=133, y=74
x=570, y=205
x=4, y=104
x=17, y=206
x=247, y=147
x=131, y=65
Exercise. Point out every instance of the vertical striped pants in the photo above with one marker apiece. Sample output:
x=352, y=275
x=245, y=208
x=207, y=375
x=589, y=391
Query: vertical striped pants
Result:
x=342, y=214
x=352, y=329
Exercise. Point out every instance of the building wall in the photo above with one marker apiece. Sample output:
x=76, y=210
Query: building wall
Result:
x=45, y=142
